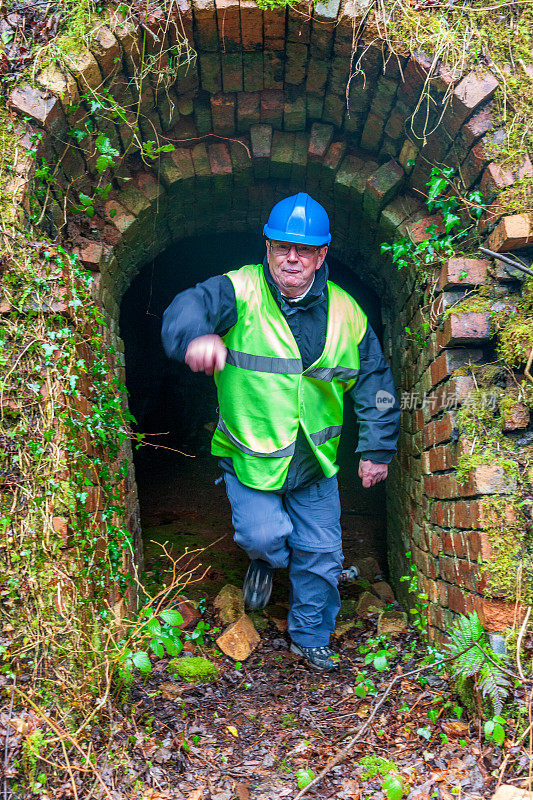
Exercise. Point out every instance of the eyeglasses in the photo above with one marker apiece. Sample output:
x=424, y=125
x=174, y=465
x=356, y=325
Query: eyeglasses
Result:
x=283, y=249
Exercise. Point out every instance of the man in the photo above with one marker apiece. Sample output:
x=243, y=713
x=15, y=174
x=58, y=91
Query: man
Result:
x=285, y=345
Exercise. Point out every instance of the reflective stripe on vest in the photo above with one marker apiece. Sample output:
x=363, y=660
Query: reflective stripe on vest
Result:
x=265, y=396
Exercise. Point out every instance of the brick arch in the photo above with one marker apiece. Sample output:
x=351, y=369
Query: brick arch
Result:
x=260, y=113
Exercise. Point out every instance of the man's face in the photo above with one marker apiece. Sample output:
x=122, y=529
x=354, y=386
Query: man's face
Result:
x=293, y=272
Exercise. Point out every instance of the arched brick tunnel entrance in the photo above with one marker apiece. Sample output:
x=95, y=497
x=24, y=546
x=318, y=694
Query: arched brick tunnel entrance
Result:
x=260, y=113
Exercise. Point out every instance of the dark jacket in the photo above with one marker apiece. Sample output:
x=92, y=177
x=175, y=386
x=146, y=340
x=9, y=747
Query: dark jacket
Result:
x=211, y=307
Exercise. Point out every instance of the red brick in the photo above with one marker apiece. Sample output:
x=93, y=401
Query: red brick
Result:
x=440, y=486
x=444, y=428
x=274, y=30
x=90, y=254
x=415, y=74
x=497, y=615
x=477, y=126
x=146, y=183
x=121, y=219
x=511, y=233
x=456, y=600
x=332, y=159
x=489, y=517
x=229, y=25
x=272, y=102
x=418, y=232
x=442, y=514
x=60, y=526
x=463, y=272
x=95, y=500
x=470, y=93
x=472, y=327
x=223, y=113
x=474, y=163
x=467, y=514
x=450, y=394
x=219, y=158
x=41, y=106
x=494, y=179
x=251, y=25
x=248, y=110
x=106, y=49
x=487, y=479
x=206, y=25
x=516, y=417
x=382, y=185
x=320, y=140
x=261, y=139
x=441, y=458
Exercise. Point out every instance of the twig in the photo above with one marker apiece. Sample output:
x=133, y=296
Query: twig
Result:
x=527, y=372
x=65, y=735
x=521, y=636
x=344, y=752
x=67, y=762
x=506, y=260
x=512, y=675
x=8, y=726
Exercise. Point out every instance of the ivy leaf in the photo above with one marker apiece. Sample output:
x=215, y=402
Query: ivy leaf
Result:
x=451, y=221
x=142, y=661
x=172, y=617
x=102, y=162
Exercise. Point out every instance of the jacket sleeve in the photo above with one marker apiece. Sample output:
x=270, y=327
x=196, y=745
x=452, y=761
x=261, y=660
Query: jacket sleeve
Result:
x=376, y=403
x=209, y=307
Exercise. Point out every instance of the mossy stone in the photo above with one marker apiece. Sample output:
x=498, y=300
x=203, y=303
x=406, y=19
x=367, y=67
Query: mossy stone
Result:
x=194, y=669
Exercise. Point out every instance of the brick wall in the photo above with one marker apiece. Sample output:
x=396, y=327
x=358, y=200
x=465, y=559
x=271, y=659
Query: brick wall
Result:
x=260, y=112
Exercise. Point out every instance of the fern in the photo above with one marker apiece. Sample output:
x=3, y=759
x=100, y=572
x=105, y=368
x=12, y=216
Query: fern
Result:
x=474, y=658
x=494, y=685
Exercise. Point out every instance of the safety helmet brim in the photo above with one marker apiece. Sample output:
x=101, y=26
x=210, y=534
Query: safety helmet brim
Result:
x=282, y=236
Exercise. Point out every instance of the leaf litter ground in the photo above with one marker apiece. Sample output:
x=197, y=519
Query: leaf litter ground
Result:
x=247, y=734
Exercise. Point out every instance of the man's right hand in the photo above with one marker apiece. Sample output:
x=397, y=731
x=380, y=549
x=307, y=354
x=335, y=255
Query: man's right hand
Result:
x=206, y=354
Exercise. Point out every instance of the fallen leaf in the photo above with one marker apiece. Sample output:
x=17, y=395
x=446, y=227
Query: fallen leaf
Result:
x=233, y=730
x=241, y=790
x=455, y=728
x=21, y=725
x=171, y=691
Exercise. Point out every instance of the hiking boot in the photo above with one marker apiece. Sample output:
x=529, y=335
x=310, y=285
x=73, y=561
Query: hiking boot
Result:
x=321, y=658
x=257, y=586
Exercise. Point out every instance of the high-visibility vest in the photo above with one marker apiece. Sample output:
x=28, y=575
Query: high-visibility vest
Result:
x=265, y=395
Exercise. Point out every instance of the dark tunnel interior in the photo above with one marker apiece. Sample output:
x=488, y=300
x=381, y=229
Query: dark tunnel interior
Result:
x=176, y=411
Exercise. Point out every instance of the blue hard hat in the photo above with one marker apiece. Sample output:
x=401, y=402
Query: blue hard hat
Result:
x=298, y=219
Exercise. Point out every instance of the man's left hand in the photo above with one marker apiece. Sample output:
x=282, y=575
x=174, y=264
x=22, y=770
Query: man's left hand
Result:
x=371, y=473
